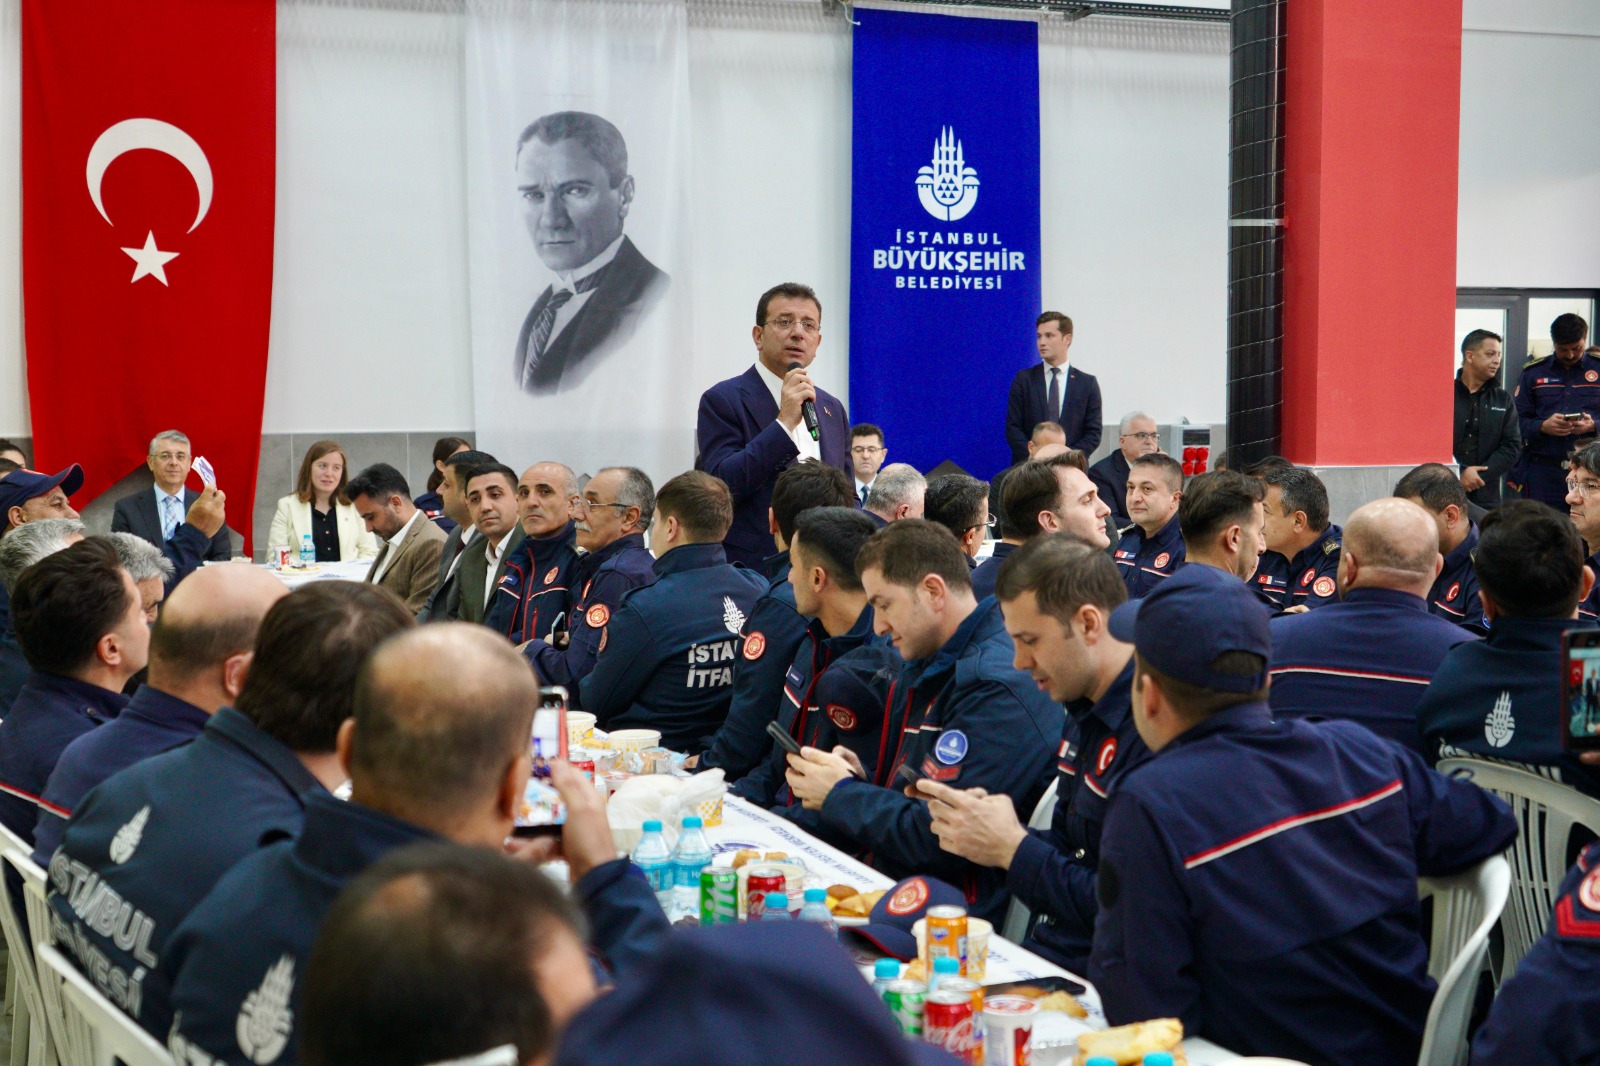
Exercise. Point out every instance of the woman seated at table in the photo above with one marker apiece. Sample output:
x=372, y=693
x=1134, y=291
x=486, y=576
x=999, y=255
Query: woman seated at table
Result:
x=318, y=506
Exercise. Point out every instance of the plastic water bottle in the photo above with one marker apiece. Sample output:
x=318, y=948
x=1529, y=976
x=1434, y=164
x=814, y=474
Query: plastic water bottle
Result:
x=777, y=907
x=692, y=855
x=883, y=972
x=815, y=909
x=651, y=856
x=943, y=967
x=308, y=550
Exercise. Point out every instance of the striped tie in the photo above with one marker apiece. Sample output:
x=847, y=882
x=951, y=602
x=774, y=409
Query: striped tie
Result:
x=545, y=323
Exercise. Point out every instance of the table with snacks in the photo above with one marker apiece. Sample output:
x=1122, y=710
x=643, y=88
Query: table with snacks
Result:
x=295, y=575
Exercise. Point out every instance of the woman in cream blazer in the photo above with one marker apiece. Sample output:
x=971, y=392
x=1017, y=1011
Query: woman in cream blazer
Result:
x=323, y=476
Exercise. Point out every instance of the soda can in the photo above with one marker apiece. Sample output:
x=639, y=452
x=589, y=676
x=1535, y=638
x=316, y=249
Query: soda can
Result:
x=905, y=1000
x=282, y=556
x=948, y=1022
x=947, y=935
x=584, y=767
x=762, y=879
x=965, y=984
x=719, y=895
x=1008, y=1029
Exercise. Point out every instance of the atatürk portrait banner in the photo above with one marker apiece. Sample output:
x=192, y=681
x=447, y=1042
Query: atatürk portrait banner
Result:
x=577, y=143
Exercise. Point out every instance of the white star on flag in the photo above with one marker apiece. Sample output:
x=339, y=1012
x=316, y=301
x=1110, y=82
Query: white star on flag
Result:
x=151, y=261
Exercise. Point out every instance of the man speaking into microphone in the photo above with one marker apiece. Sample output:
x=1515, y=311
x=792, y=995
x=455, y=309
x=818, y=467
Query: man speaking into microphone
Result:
x=752, y=426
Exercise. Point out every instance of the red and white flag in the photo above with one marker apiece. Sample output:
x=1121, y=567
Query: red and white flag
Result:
x=148, y=154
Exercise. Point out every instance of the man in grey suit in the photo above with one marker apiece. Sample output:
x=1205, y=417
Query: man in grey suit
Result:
x=408, y=563
x=167, y=515
x=445, y=603
x=492, y=503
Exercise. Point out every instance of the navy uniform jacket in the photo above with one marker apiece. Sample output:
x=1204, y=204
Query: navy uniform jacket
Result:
x=666, y=658
x=50, y=712
x=771, y=634
x=13, y=667
x=1546, y=388
x=812, y=688
x=599, y=581
x=1454, y=595
x=740, y=441
x=151, y=723
x=987, y=572
x=1367, y=658
x=1500, y=699
x=1271, y=580
x=1548, y=1012
x=532, y=595
x=143, y=843
x=1589, y=609
x=1110, y=477
x=188, y=548
x=971, y=720
x=235, y=964
x=1277, y=915
x=1145, y=561
x=1028, y=404
x=1054, y=869
x=1314, y=572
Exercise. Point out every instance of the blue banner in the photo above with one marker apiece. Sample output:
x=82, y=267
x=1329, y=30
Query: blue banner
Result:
x=944, y=236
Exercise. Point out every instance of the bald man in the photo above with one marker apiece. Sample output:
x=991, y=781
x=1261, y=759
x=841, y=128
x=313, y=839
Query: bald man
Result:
x=200, y=651
x=1369, y=656
x=534, y=591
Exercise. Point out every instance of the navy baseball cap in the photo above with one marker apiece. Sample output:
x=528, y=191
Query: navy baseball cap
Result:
x=20, y=486
x=1192, y=618
x=889, y=925
x=761, y=991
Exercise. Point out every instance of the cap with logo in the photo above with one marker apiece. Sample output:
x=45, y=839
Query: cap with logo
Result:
x=20, y=486
x=1190, y=620
x=889, y=925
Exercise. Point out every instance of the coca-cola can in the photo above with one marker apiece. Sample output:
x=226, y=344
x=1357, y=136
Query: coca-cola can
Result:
x=761, y=880
x=948, y=1022
x=281, y=552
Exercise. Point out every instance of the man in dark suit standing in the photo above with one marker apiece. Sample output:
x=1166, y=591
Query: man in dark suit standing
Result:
x=166, y=515
x=1053, y=392
x=572, y=172
x=750, y=427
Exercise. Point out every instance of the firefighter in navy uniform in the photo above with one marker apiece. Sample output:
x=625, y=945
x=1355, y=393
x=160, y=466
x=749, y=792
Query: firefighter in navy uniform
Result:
x=841, y=674
x=666, y=657
x=612, y=514
x=1454, y=595
x=1298, y=532
x=1583, y=506
x=775, y=628
x=1056, y=597
x=971, y=719
x=1152, y=550
x=1276, y=916
x=1548, y=1012
x=533, y=592
x=1564, y=383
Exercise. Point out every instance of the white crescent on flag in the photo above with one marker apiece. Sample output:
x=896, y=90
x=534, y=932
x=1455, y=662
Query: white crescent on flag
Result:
x=152, y=133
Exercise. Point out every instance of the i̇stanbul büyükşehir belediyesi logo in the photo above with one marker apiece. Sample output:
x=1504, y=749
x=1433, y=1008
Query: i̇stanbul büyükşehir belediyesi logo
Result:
x=948, y=258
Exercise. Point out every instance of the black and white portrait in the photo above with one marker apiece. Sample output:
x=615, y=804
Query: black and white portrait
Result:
x=575, y=188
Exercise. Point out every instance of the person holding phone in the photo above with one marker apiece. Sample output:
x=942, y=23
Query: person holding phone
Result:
x=1558, y=401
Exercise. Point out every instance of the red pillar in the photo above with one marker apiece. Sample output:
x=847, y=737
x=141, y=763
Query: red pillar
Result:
x=1372, y=114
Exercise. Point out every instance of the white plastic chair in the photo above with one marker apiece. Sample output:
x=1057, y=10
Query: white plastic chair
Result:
x=41, y=931
x=1465, y=908
x=1546, y=813
x=1017, y=915
x=98, y=1033
x=31, y=1041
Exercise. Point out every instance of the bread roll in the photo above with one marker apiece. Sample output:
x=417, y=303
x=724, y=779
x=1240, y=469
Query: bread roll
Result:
x=1127, y=1045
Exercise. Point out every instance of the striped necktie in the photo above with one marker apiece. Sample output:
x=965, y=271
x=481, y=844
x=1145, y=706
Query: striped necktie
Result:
x=545, y=323
x=169, y=517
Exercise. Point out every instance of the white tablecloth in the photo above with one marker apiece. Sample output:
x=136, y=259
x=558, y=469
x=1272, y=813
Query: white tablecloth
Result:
x=747, y=826
x=341, y=571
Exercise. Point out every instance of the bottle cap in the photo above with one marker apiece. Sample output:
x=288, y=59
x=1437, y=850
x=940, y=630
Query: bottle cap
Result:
x=889, y=968
x=817, y=895
x=945, y=964
x=1100, y=1060
x=652, y=826
x=1158, y=1058
x=777, y=901
x=692, y=822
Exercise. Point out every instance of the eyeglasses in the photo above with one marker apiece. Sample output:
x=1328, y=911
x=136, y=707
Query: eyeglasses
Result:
x=864, y=449
x=167, y=457
x=596, y=503
x=784, y=323
x=1144, y=436
x=988, y=520
x=1583, y=489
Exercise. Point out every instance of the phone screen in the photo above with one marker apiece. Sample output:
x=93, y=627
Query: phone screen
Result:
x=542, y=810
x=1581, y=693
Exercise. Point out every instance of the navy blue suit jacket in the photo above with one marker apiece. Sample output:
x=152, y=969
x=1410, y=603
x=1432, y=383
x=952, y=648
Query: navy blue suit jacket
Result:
x=188, y=547
x=740, y=441
x=1027, y=407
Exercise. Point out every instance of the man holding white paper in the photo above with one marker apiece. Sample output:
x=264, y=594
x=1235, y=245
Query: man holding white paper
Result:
x=188, y=526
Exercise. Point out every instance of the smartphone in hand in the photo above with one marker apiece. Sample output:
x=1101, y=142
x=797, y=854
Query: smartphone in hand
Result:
x=1580, y=690
x=541, y=812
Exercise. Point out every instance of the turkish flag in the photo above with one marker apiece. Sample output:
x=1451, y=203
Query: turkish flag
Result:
x=148, y=131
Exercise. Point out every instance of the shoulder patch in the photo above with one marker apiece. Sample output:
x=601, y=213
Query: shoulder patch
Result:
x=1106, y=755
x=1305, y=578
x=1589, y=891
x=1591, y=376
x=1163, y=559
x=908, y=898
x=1455, y=590
x=754, y=646
x=1324, y=587
x=1329, y=547
x=551, y=575
x=842, y=716
x=597, y=616
x=951, y=747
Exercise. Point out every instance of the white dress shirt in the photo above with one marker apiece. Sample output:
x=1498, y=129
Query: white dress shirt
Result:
x=569, y=281
x=392, y=546
x=491, y=552
x=809, y=449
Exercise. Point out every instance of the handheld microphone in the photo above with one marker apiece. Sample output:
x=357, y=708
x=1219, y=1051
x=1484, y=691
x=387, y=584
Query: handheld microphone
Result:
x=808, y=411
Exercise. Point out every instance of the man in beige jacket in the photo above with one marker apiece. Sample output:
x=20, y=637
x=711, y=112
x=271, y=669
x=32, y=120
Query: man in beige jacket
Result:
x=408, y=562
